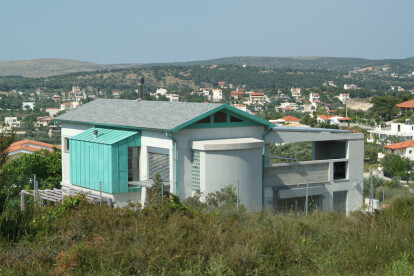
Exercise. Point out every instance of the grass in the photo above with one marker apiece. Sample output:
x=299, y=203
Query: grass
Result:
x=171, y=238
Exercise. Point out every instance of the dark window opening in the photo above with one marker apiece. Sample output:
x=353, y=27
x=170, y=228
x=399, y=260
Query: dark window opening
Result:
x=339, y=170
x=220, y=117
x=205, y=120
x=339, y=201
x=159, y=163
x=133, y=164
x=66, y=144
x=235, y=120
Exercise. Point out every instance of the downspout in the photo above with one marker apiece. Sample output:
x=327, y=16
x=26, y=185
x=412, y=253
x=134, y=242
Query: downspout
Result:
x=263, y=167
x=175, y=161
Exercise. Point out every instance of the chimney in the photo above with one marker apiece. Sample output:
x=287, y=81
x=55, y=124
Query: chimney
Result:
x=95, y=133
x=140, y=88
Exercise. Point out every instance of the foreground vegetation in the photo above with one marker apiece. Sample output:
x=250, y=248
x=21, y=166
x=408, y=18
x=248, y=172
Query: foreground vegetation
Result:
x=192, y=238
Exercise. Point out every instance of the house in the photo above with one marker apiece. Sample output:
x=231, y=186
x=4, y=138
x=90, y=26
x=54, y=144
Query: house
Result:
x=331, y=112
x=314, y=97
x=406, y=106
x=242, y=107
x=65, y=106
x=56, y=98
x=238, y=95
x=173, y=97
x=28, y=105
x=52, y=111
x=257, y=98
x=43, y=121
x=403, y=149
x=350, y=86
x=161, y=91
x=296, y=92
x=340, y=121
x=11, y=122
x=217, y=95
x=288, y=119
x=289, y=106
x=344, y=97
x=396, y=131
x=221, y=84
x=116, y=94
x=19, y=148
x=202, y=147
x=323, y=119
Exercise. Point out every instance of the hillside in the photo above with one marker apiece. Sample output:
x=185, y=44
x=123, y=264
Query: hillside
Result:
x=52, y=67
x=46, y=67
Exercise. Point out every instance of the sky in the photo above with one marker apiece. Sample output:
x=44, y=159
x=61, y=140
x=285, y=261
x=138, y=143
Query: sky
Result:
x=135, y=31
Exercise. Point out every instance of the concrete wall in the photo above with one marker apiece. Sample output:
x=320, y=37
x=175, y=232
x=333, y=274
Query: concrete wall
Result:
x=240, y=168
x=329, y=150
x=185, y=138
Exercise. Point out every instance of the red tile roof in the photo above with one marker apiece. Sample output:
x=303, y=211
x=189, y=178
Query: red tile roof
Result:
x=407, y=104
x=323, y=117
x=401, y=145
x=257, y=94
x=290, y=119
x=236, y=93
x=29, y=145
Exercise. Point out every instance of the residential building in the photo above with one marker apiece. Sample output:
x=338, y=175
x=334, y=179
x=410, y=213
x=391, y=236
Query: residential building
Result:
x=52, y=111
x=396, y=132
x=344, y=97
x=340, y=121
x=238, y=95
x=406, y=106
x=242, y=107
x=221, y=84
x=291, y=106
x=19, y=148
x=56, y=98
x=350, y=86
x=202, y=147
x=287, y=120
x=217, y=95
x=28, y=105
x=43, y=121
x=11, y=122
x=116, y=94
x=257, y=98
x=403, y=149
x=314, y=97
x=323, y=119
x=296, y=92
x=161, y=91
x=65, y=106
x=173, y=97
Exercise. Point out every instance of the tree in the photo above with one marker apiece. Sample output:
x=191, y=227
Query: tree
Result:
x=395, y=165
x=6, y=138
x=384, y=106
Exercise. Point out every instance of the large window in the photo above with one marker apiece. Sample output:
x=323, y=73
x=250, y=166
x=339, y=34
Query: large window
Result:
x=133, y=164
x=159, y=163
x=297, y=205
x=339, y=201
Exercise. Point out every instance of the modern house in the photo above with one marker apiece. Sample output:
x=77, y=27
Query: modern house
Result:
x=118, y=146
x=396, y=132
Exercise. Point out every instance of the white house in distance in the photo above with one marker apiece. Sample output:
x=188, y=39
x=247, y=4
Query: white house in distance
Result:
x=242, y=107
x=52, y=111
x=11, y=122
x=400, y=131
x=217, y=95
x=403, y=149
x=28, y=105
x=204, y=147
x=296, y=92
x=173, y=97
x=340, y=121
x=344, y=97
x=257, y=98
x=350, y=86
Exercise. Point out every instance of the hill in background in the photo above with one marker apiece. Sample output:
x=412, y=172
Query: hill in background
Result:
x=52, y=67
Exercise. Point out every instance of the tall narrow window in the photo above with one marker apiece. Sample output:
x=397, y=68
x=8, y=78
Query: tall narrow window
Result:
x=195, y=172
x=66, y=144
x=159, y=163
x=133, y=164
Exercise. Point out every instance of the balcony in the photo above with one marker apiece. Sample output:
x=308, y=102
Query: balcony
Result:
x=299, y=173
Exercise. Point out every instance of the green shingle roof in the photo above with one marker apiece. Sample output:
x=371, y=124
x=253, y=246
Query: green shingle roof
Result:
x=105, y=136
x=168, y=116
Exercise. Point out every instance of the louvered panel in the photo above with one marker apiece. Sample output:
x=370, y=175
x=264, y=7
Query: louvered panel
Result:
x=159, y=163
x=294, y=175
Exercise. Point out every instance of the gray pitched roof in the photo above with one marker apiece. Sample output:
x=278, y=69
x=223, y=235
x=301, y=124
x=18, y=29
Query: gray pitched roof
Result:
x=139, y=114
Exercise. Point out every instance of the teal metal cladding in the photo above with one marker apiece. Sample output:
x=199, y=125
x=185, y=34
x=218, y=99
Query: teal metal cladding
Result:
x=102, y=162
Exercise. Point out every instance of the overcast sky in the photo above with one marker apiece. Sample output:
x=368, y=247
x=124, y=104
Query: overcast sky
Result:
x=123, y=31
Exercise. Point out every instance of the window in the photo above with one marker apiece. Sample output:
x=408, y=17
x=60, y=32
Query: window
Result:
x=195, y=172
x=220, y=117
x=66, y=144
x=235, y=120
x=339, y=170
x=133, y=164
x=298, y=204
x=159, y=163
x=410, y=151
x=205, y=120
x=339, y=201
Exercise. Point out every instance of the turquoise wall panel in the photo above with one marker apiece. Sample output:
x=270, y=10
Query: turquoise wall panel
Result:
x=95, y=165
